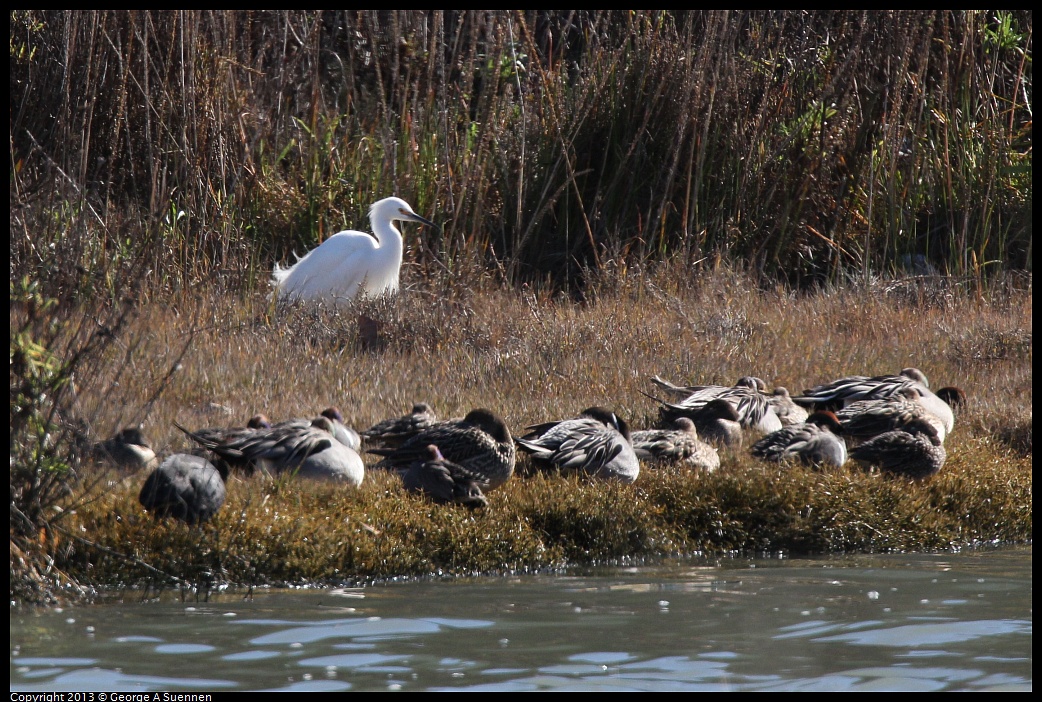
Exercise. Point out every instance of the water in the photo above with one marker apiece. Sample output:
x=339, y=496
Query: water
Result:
x=907, y=622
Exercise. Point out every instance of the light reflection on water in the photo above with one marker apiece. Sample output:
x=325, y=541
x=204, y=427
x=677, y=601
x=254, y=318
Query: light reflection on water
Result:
x=911, y=622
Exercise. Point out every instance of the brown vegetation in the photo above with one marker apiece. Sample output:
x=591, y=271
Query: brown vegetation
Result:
x=700, y=195
x=534, y=356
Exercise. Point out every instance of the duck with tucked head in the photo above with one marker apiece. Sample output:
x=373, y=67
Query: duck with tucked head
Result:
x=445, y=482
x=184, y=487
x=677, y=445
x=813, y=443
x=480, y=442
x=128, y=451
x=596, y=443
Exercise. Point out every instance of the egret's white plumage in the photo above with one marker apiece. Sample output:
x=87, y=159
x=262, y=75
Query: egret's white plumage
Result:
x=350, y=262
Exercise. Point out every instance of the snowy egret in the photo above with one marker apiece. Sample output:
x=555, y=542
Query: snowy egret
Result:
x=480, y=442
x=596, y=443
x=350, y=263
x=185, y=487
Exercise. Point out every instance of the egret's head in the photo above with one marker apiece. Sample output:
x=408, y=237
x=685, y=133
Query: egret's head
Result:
x=395, y=208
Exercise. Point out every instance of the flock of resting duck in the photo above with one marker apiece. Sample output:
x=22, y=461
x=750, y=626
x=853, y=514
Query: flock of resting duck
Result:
x=891, y=423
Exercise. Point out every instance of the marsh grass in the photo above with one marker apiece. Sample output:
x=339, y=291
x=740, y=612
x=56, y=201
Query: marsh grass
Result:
x=700, y=195
x=810, y=144
x=533, y=355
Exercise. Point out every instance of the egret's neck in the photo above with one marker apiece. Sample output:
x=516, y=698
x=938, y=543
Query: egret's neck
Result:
x=384, y=271
x=390, y=240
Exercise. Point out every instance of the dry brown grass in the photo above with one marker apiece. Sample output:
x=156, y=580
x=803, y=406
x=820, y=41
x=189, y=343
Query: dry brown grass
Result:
x=532, y=357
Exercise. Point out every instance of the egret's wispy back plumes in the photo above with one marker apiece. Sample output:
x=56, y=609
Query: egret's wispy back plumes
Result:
x=351, y=262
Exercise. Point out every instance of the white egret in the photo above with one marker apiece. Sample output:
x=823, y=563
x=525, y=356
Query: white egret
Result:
x=349, y=263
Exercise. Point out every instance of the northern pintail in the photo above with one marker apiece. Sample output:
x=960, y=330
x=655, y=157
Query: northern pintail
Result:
x=864, y=419
x=752, y=405
x=789, y=413
x=841, y=392
x=397, y=430
x=185, y=487
x=445, y=482
x=718, y=423
x=128, y=450
x=343, y=433
x=310, y=451
x=677, y=445
x=222, y=434
x=707, y=392
x=916, y=451
x=813, y=443
x=480, y=442
x=596, y=443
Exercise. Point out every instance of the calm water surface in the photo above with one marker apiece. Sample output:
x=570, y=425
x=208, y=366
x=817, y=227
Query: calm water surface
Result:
x=909, y=622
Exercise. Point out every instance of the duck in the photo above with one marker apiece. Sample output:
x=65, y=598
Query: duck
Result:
x=310, y=451
x=679, y=444
x=185, y=487
x=841, y=392
x=789, y=413
x=943, y=404
x=865, y=419
x=954, y=397
x=754, y=409
x=596, y=443
x=718, y=423
x=709, y=392
x=351, y=263
x=914, y=451
x=220, y=434
x=445, y=482
x=480, y=442
x=341, y=432
x=813, y=443
x=396, y=430
x=127, y=450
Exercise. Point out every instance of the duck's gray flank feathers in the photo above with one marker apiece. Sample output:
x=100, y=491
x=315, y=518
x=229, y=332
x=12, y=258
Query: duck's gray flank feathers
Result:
x=480, y=442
